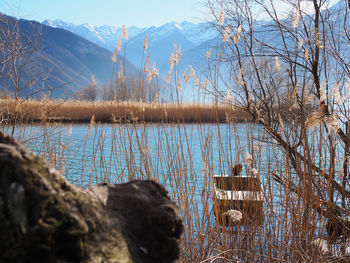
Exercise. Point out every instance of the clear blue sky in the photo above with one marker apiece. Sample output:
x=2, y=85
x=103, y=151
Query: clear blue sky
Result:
x=110, y=12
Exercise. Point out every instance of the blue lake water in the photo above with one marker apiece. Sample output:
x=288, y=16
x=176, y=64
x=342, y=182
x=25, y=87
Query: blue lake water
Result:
x=115, y=153
x=183, y=157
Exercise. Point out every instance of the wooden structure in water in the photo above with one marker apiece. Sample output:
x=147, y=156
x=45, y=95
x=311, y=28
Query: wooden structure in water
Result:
x=238, y=199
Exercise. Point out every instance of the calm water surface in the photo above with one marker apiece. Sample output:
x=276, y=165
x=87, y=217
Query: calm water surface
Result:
x=177, y=156
x=182, y=158
x=114, y=152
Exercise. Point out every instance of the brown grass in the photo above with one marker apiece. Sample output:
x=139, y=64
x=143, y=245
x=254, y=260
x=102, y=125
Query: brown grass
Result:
x=118, y=112
x=164, y=153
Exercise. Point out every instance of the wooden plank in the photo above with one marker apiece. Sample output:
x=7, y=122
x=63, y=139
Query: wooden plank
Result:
x=239, y=195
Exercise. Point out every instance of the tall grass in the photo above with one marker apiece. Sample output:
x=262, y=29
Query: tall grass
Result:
x=117, y=112
x=184, y=157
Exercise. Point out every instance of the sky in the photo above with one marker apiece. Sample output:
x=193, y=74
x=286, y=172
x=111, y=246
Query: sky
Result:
x=141, y=13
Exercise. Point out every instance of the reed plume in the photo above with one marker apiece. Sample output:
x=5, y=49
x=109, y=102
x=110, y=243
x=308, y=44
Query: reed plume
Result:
x=145, y=43
x=125, y=32
x=222, y=16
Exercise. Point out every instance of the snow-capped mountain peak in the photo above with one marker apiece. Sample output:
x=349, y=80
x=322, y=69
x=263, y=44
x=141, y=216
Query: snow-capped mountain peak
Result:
x=107, y=36
x=91, y=28
x=161, y=39
x=178, y=26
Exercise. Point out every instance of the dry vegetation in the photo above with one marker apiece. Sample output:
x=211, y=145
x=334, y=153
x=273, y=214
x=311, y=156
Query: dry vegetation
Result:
x=304, y=168
x=166, y=153
x=117, y=112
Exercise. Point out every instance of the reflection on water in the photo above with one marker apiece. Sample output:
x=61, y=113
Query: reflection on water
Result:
x=181, y=157
x=115, y=153
x=178, y=156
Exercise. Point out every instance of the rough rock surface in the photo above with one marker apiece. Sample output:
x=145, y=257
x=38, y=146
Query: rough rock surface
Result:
x=43, y=218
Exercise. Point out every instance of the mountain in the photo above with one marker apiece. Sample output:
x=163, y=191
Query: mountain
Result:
x=161, y=40
x=107, y=36
x=194, y=39
x=64, y=61
x=104, y=36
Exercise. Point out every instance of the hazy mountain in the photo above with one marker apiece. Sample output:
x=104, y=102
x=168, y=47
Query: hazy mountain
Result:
x=104, y=36
x=161, y=43
x=65, y=62
x=107, y=36
x=161, y=39
x=194, y=39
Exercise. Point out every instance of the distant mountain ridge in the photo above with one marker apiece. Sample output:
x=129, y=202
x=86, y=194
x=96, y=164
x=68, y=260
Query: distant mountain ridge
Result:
x=104, y=36
x=77, y=59
x=67, y=60
x=161, y=40
x=107, y=36
x=194, y=39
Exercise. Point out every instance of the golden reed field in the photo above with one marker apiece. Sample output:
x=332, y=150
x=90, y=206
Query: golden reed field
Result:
x=118, y=112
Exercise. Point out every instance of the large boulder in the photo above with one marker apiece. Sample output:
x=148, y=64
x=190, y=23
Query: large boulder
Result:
x=44, y=218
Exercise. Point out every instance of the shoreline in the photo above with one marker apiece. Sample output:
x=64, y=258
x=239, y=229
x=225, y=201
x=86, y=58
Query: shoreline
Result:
x=53, y=111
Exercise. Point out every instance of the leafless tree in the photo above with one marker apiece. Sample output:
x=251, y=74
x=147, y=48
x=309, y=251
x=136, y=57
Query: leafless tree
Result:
x=88, y=93
x=19, y=44
x=20, y=70
x=288, y=65
x=108, y=92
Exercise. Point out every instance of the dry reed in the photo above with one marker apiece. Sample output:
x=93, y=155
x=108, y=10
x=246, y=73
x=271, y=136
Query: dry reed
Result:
x=128, y=152
x=118, y=112
x=165, y=153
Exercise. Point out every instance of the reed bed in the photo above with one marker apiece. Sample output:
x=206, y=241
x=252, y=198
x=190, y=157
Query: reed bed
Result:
x=183, y=158
x=118, y=112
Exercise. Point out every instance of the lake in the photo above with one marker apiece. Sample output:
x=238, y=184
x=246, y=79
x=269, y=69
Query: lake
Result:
x=115, y=153
x=182, y=157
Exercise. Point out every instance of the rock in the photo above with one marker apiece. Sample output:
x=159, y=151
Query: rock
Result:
x=43, y=218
